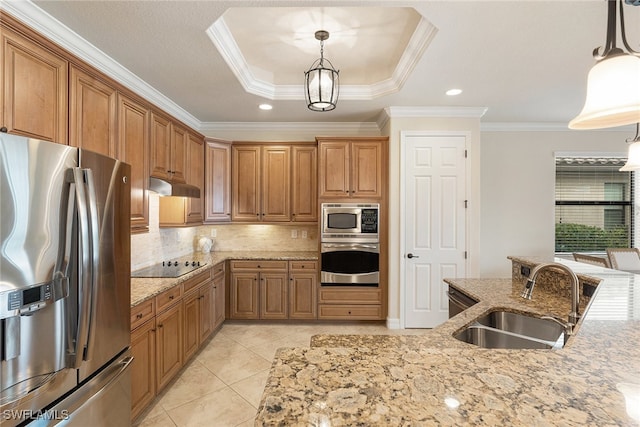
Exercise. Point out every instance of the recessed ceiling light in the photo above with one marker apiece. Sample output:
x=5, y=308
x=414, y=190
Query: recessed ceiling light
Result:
x=265, y=106
x=454, y=92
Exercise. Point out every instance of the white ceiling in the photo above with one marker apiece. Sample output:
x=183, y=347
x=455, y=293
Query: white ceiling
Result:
x=526, y=61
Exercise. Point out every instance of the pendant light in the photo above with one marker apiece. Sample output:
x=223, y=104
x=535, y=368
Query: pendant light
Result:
x=633, y=159
x=321, y=83
x=613, y=84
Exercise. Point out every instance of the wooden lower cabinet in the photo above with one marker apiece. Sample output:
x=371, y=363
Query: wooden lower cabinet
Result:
x=219, y=295
x=303, y=284
x=169, y=344
x=143, y=367
x=266, y=289
x=343, y=303
x=191, y=323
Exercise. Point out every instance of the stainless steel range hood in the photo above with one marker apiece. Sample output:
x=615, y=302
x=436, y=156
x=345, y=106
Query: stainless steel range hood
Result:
x=166, y=188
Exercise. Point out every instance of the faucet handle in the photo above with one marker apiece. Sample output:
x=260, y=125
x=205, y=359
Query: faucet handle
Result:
x=568, y=326
x=528, y=289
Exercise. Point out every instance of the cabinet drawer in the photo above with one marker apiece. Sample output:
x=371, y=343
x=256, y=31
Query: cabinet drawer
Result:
x=303, y=265
x=258, y=265
x=360, y=312
x=218, y=270
x=350, y=295
x=142, y=312
x=168, y=298
x=197, y=280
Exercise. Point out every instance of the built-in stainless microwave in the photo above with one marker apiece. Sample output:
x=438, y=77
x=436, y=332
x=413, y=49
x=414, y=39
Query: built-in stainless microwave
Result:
x=350, y=222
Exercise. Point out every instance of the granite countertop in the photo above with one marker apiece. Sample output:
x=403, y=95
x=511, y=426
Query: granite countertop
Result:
x=434, y=379
x=144, y=288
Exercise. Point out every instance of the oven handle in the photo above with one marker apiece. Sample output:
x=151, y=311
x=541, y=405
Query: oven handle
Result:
x=363, y=247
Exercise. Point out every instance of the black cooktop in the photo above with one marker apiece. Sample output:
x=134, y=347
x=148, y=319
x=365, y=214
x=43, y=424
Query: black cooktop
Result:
x=169, y=269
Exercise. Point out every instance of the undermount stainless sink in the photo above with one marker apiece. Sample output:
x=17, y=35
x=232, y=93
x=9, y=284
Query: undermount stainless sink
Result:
x=502, y=329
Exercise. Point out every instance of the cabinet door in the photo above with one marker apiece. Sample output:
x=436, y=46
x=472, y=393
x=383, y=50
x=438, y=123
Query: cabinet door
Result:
x=178, y=154
x=169, y=341
x=246, y=183
x=334, y=169
x=195, y=176
x=133, y=148
x=304, y=182
x=366, y=169
x=92, y=117
x=35, y=90
x=207, y=311
x=218, y=301
x=143, y=367
x=276, y=173
x=302, y=295
x=160, y=146
x=273, y=296
x=191, y=315
x=244, y=296
x=217, y=187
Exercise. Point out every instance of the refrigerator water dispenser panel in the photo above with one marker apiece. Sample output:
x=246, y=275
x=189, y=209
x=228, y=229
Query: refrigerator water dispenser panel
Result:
x=26, y=301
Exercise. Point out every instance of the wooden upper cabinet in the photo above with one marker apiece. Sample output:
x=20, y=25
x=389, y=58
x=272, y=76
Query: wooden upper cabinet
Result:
x=304, y=183
x=92, y=113
x=195, y=176
x=133, y=148
x=334, y=169
x=246, y=183
x=366, y=169
x=217, y=186
x=276, y=175
x=160, y=146
x=35, y=89
x=351, y=167
x=178, y=153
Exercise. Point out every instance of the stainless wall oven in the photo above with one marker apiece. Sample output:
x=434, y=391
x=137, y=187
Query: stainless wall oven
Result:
x=355, y=264
x=349, y=244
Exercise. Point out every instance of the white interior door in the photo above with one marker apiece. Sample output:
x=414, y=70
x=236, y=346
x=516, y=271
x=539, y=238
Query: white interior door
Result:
x=434, y=224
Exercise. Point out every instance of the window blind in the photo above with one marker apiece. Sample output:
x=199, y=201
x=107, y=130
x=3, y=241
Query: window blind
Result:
x=593, y=204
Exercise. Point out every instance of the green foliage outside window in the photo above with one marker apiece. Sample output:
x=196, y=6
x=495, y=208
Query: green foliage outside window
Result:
x=572, y=237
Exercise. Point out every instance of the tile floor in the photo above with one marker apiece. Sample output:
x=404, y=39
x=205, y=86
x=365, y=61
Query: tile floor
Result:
x=222, y=385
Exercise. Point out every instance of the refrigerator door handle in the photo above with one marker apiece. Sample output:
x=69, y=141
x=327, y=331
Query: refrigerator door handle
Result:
x=86, y=258
x=94, y=242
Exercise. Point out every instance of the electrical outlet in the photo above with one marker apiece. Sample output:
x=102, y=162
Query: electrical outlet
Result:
x=525, y=271
x=304, y=234
x=294, y=234
x=214, y=233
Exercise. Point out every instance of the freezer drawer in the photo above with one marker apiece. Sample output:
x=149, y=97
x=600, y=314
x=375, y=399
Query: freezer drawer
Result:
x=103, y=401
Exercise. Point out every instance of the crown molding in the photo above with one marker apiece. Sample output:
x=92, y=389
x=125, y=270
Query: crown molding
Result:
x=224, y=41
x=542, y=127
x=459, y=112
x=318, y=128
x=45, y=24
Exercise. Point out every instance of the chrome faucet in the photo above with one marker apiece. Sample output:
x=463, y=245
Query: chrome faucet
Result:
x=574, y=315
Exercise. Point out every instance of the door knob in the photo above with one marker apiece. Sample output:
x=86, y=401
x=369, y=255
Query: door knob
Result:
x=410, y=255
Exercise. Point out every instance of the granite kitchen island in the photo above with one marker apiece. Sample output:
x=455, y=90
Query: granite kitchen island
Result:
x=434, y=379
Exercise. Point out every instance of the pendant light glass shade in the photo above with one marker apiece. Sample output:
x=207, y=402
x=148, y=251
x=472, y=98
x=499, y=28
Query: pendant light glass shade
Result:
x=613, y=94
x=633, y=159
x=321, y=81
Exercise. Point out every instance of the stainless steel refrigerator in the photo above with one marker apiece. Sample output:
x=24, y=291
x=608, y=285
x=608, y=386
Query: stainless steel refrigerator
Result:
x=64, y=286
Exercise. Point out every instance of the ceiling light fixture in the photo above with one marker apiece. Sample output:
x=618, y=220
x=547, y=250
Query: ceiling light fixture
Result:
x=265, y=107
x=454, y=92
x=613, y=84
x=633, y=158
x=321, y=84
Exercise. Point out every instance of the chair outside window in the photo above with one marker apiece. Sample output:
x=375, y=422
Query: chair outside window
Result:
x=591, y=259
x=626, y=259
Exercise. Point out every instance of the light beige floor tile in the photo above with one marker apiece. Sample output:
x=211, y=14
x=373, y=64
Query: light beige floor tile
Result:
x=237, y=365
x=154, y=410
x=162, y=420
x=220, y=409
x=248, y=423
x=251, y=388
x=268, y=350
x=251, y=337
x=194, y=381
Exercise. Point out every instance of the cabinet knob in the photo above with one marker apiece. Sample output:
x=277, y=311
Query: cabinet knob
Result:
x=139, y=316
x=4, y=129
x=171, y=297
x=160, y=325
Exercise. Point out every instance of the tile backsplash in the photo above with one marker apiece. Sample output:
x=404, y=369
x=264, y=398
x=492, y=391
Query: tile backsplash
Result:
x=166, y=243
